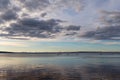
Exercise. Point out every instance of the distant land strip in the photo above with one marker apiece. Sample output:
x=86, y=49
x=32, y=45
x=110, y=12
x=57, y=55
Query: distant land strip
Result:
x=59, y=52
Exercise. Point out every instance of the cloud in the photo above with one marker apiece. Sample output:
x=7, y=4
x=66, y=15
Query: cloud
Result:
x=73, y=27
x=14, y=44
x=35, y=5
x=21, y=19
x=43, y=14
x=25, y=19
x=106, y=33
x=72, y=31
x=48, y=5
x=33, y=28
x=4, y=4
x=110, y=18
x=76, y=5
x=9, y=15
x=110, y=29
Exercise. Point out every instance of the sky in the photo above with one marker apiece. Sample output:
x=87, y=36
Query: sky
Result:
x=59, y=25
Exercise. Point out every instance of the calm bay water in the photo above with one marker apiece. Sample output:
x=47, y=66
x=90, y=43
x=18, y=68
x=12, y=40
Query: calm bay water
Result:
x=60, y=67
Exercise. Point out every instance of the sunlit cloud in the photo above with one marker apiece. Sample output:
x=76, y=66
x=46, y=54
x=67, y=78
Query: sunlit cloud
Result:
x=13, y=44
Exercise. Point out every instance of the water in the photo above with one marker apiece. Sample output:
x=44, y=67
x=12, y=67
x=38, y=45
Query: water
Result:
x=60, y=67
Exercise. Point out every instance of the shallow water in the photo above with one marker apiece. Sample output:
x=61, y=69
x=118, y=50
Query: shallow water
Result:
x=60, y=67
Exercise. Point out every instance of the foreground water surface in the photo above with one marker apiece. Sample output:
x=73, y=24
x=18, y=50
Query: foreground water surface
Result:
x=60, y=67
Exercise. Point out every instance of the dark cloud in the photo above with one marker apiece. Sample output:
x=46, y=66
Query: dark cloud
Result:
x=18, y=38
x=43, y=14
x=72, y=30
x=9, y=15
x=106, y=33
x=48, y=25
x=110, y=18
x=71, y=34
x=34, y=28
x=4, y=4
x=73, y=27
x=110, y=30
x=1, y=21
